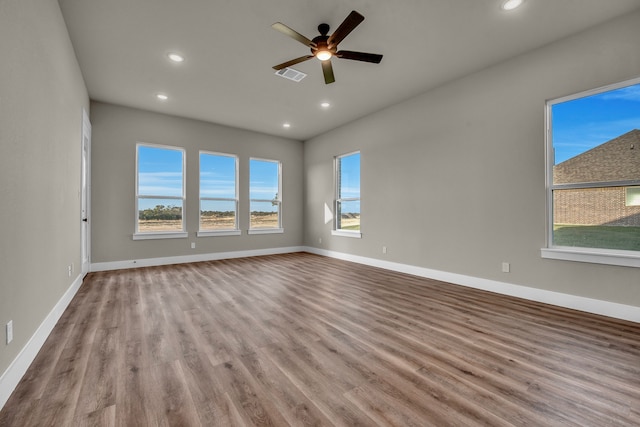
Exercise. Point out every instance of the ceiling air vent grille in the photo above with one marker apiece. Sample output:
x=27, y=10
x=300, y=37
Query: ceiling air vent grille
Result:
x=291, y=74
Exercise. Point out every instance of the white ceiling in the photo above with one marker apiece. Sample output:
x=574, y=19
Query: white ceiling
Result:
x=230, y=48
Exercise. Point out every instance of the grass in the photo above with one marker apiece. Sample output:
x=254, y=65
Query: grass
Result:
x=597, y=236
x=350, y=227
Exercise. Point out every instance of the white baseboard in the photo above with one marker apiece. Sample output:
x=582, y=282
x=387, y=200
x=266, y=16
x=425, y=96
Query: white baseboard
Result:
x=16, y=370
x=152, y=262
x=589, y=305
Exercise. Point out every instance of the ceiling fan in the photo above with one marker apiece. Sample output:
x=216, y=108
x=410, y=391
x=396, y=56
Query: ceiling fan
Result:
x=325, y=46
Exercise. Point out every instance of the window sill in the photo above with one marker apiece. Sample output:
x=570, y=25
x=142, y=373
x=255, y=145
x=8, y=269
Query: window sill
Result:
x=345, y=233
x=163, y=235
x=266, y=231
x=211, y=233
x=594, y=256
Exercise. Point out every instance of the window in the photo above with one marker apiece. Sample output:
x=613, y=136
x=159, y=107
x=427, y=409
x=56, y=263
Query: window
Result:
x=632, y=196
x=265, y=194
x=593, y=173
x=159, y=192
x=347, y=208
x=218, y=194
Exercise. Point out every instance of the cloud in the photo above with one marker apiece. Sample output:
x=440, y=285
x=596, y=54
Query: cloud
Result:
x=221, y=193
x=160, y=183
x=629, y=93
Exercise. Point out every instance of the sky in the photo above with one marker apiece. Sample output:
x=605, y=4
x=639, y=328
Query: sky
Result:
x=160, y=174
x=584, y=123
x=350, y=182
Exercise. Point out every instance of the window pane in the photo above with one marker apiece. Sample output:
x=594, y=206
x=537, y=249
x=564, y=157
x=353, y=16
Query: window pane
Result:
x=348, y=187
x=159, y=171
x=264, y=194
x=595, y=138
x=348, y=215
x=349, y=176
x=217, y=215
x=159, y=215
x=264, y=180
x=633, y=196
x=596, y=141
x=265, y=215
x=217, y=176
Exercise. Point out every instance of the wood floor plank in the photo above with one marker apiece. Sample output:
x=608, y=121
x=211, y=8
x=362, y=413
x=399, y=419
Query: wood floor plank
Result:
x=299, y=339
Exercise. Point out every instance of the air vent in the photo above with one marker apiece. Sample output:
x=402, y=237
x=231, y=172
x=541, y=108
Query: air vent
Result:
x=291, y=74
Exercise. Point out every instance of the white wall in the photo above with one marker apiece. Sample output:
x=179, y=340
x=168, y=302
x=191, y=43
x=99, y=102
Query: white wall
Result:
x=453, y=179
x=42, y=94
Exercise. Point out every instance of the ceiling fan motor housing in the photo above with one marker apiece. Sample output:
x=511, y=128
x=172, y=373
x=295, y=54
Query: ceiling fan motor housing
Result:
x=321, y=41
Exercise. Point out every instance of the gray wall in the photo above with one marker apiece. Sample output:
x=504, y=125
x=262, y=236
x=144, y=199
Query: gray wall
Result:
x=453, y=179
x=42, y=94
x=117, y=129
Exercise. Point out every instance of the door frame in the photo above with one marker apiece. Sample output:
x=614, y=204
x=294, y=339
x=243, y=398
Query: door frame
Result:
x=85, y=195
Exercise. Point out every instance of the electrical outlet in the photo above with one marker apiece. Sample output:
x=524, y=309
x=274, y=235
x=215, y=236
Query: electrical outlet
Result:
x=193, y=245
x=69, y=270
x=384, y=249
x=320, y=240
x=506, y=267
x=9, y=331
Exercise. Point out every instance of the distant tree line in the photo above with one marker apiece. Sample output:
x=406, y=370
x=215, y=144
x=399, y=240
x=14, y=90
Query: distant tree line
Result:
x=161, y=212
x=218, y=214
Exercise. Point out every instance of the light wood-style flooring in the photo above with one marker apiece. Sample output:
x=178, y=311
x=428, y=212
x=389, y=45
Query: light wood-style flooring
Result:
x=300, y=339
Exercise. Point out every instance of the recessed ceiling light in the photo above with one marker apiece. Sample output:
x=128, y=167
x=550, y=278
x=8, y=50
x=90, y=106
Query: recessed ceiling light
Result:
x=511, y=4
x=162, y=97
x=325, y=105
x=286, y=125
x=175, y=57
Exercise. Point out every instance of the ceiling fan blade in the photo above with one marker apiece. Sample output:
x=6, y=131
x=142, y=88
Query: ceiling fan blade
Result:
x=279, y=26
x=292, y=62
x=359, y=56
x=352, y=21
x=327, y=70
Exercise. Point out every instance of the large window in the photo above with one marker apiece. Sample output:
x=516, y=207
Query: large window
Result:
x=593, y=175
x=347, y=208
x=218, y=194
x=265, y=193
x=159, y=191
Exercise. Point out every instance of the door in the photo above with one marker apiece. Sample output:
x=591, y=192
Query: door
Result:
x=85, y=230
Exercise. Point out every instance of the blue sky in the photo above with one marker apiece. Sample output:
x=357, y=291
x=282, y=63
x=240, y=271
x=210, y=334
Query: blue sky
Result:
x=350, y=176
x=263, y=179
x=350, y=182
x=217, y=176
x=160, y=174
x=584, y=123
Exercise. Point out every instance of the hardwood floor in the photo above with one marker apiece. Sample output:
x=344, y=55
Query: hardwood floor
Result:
x=300, y=339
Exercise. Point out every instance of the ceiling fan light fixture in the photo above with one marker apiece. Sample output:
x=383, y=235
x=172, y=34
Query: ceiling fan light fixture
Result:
x=511, y=4
x=323, y=55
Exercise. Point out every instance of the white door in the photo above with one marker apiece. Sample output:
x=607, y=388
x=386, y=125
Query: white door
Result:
x=85, y=233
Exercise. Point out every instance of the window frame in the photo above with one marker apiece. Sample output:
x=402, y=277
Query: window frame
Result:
x=278, y=200
x=338, y=200
x=148, y=235
x=222, y=232
x=627, y=258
